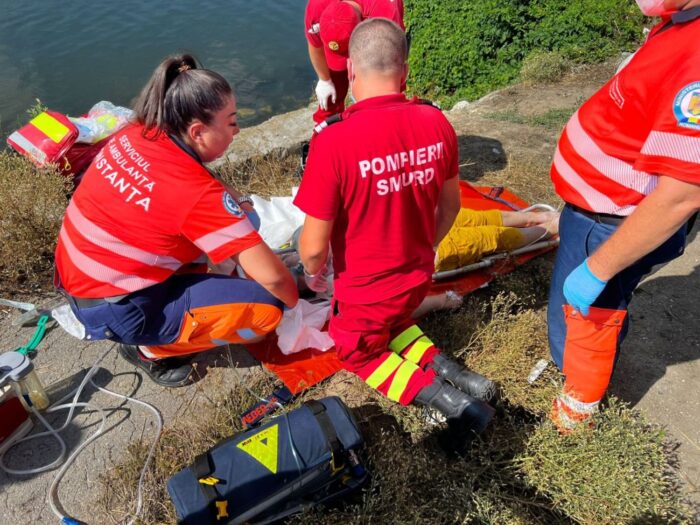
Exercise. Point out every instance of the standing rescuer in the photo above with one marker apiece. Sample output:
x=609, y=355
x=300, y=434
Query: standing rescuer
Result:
x=628, y=167
x=382, y=186
x=328, y=25
x=133, y=248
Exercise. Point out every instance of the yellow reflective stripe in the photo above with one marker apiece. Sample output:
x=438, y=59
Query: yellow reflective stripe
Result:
x=50, y=127
x=418, y=349
x=405, y=338
x=401, y=379
x=384, y=370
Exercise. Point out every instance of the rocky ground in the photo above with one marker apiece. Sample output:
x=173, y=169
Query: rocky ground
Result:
x=499, y=136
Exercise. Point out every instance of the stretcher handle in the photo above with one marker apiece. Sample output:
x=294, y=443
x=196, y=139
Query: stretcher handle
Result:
x=489, y=261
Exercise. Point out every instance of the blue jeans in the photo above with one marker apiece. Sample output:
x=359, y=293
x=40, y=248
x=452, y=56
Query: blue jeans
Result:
x=580, y=237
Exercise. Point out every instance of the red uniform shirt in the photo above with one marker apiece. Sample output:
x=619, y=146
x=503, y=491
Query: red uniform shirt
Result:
x=391, y=9
x=645, y=121
x=379, y=173
x=144, y=209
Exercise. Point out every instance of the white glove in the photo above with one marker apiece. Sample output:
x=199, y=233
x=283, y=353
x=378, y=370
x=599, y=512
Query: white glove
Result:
x=317, y=282
x=325, y=89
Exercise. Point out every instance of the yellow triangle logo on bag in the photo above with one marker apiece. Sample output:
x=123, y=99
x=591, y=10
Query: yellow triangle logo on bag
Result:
x=263, y=447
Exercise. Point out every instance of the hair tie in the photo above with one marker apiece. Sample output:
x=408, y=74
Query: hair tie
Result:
x=183, y=68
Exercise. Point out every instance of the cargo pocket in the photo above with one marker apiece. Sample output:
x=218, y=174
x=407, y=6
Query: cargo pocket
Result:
x=589, y=351
x=187, y=328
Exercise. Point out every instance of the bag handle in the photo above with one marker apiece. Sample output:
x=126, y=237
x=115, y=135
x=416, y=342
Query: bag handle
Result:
x=319, y=411
x=202, y=468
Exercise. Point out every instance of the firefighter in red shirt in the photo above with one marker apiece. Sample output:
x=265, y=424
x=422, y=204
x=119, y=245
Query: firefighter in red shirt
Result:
x=328, y=25
x=382, y=186
x=147, y=216
x=628, y=167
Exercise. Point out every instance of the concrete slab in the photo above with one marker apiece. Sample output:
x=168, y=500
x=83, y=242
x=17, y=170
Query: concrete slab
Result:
x=281, y=132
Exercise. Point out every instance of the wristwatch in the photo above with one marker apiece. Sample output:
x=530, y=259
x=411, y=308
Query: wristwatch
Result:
x=245, y=199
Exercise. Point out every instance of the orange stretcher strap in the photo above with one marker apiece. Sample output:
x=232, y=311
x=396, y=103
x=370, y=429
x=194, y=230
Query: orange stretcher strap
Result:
x=589, y=351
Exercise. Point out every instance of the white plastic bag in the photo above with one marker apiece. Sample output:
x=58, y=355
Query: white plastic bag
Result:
x=301, y=326
x=278, y=219
x=103, y=119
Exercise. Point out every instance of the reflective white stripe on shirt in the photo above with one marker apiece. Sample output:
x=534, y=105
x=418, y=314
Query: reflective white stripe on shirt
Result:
x=597, y=201
x=106, y=240
x=614, y=169
x=99, y=272
x=673, y=146
x=211, y=241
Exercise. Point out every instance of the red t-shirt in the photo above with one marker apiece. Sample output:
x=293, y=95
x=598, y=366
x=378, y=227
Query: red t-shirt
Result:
x=144, y=209
x=645, y=121
x=379, y=173
x=391, y=9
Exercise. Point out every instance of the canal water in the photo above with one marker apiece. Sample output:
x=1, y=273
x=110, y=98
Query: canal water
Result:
x=71, y=54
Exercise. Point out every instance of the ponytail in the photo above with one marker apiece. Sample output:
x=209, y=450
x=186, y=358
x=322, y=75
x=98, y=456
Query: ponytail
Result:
x=178, y=93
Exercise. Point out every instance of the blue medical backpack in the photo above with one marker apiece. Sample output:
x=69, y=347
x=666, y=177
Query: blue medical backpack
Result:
x=293, y=462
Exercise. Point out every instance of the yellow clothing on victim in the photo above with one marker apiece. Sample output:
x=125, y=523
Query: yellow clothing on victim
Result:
x=473, y=235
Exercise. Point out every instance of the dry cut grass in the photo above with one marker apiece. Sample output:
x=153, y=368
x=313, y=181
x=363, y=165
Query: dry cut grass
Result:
x=506, y=349
x=528, y=178
x=267, y=176
x=32, y=203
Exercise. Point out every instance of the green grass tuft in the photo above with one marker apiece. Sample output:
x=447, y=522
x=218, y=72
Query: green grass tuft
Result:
x=35, y=109
x=544, y=66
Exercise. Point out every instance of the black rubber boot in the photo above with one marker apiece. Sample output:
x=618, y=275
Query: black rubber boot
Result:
x=467, y=381
x=172, y=372
x=466, y=416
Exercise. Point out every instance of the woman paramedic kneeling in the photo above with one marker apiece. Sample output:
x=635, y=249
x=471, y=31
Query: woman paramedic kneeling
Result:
x=147, y=215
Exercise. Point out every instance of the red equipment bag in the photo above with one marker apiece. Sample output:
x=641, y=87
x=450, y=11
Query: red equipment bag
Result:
x=78, y=158
x=46, y=139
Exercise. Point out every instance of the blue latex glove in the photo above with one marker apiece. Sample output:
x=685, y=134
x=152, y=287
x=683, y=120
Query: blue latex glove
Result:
x=254, y=218
x=582, y=288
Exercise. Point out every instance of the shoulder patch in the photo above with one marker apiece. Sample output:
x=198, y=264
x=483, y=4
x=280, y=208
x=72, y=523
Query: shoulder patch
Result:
x=686, y=106
x=231, y=206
